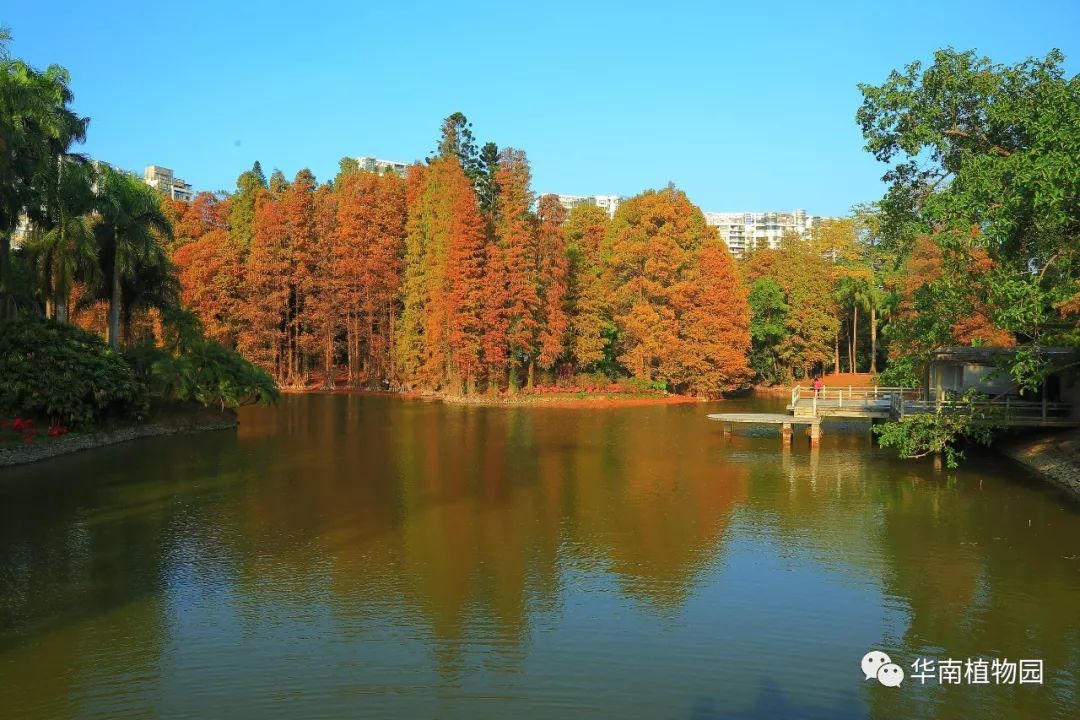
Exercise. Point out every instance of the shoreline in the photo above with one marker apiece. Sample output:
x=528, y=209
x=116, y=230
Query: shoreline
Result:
x=571, y=400
x=1054, y=456
x=172, y=423
x=521, y=399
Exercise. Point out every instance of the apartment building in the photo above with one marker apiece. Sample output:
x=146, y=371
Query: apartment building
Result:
x=608, y=203
x=371, y=164
x=162, y=178
x=743, y=231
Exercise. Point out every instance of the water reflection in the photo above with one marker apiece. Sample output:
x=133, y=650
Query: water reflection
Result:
x=378, y=557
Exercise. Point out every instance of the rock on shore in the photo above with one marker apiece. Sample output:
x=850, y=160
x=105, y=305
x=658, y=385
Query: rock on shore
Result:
x=1053, y=455
x=172, y=423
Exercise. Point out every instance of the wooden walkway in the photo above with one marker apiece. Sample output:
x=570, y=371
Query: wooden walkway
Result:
x=809, y=407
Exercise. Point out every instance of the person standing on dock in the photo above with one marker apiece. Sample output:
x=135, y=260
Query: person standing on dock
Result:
x=817, y=385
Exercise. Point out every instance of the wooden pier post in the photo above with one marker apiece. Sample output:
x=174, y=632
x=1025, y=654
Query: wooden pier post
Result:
x=815, y=434
x=785, y=433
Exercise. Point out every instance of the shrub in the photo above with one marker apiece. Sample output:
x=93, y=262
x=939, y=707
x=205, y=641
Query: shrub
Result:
x=943, y=431
x=65, y=374
x=205, y=372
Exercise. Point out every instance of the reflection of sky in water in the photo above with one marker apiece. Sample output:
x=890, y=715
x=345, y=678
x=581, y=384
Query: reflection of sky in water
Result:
x=368, y=557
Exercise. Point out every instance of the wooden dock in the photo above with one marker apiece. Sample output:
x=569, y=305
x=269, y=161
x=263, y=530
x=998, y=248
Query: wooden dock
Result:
x=808, y=407
x=784, y=421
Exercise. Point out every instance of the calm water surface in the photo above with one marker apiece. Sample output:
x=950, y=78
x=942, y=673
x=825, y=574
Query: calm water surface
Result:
x=370, y=557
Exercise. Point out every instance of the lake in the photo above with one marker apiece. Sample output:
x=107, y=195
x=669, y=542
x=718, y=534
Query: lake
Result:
x=376, y=557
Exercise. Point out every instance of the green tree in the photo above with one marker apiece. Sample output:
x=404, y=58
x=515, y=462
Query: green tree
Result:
x=983, y=161
x=768, y=327
x=487, y=189
x=249, y=185
x=61, y=242
x=346, y=166
x=128, y=247
x=278, y=184
x=36, y=126
x=811, y=321
x=456, y=139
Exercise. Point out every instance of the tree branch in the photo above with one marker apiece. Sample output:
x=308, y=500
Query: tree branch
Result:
x=957, y=132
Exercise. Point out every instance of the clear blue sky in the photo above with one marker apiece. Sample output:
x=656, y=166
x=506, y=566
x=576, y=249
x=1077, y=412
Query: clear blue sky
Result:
x=749, y=106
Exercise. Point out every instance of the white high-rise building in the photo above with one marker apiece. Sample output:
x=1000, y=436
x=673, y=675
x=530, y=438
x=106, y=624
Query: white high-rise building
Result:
x=608, y=203
x=162, y=178
x=742, y=231
x=371, y=164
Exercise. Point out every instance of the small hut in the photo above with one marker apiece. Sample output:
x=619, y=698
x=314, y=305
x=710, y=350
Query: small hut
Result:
x=952, y=371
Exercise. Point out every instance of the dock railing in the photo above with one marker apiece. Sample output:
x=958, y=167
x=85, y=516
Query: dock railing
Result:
x=1006, y=410
x=901, y=402
x=835, y=396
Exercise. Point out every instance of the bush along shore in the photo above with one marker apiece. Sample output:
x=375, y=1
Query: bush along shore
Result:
x=63, y=389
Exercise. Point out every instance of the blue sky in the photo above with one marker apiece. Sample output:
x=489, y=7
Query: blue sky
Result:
x=746, y=106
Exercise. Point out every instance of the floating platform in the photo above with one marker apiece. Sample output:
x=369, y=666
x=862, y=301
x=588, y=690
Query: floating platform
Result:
x=765, y=419
x=784, y=421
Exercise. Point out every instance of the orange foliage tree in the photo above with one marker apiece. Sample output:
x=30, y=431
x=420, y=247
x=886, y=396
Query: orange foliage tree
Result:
x=211, y=274
x=517, y=238
x=714, y=326
x=667, y=276
x=934, y=308
x=553, y=273
x=366, y=270
x=409, y=283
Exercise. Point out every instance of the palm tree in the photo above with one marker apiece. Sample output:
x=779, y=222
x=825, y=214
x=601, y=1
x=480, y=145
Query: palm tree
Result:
x=854, y=290
x=127, y=246
x=61, y=243
x=36, y=126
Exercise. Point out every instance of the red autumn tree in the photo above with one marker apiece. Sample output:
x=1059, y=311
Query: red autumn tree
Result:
x=553, y=279
x=714, y=324
x=211, y=272
x=265, y=317
x=322, y=307
x=465, y=282
x=367, y=268
x=651, y=246
x=516, y=234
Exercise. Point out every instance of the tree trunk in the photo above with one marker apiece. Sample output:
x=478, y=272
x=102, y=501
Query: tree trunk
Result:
x=348, y=348
x=836, y=352
x=125, y=326
x=391, y=360
x=61, y=307
x=5, y=257
x=114, y=301
x=328, y=358
x=873, y=339
x=854, y=339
